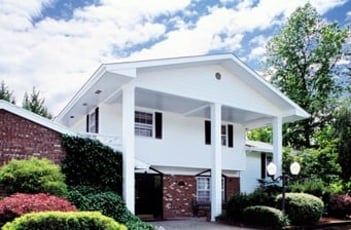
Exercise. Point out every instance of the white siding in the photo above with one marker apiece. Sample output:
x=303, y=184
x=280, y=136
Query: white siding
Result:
x=248, y=177
x=200, y=83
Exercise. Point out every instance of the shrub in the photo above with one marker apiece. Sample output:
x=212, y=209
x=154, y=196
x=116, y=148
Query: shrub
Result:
x=265, y=216
x=19, y=204
x=33, y=176
x=302, y=208
x=108, y=203
x=89, y=162
x=238, y=202
x=340, y=205
x=236, y=205
x=64, y=221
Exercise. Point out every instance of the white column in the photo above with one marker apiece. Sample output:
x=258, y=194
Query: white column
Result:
x=216, y=170
x=128, y=107
x=278, y=144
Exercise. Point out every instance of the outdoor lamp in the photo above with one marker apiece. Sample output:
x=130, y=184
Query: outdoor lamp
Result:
x=272, y=170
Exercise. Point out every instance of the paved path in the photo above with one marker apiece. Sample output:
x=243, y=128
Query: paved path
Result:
x=195, y=223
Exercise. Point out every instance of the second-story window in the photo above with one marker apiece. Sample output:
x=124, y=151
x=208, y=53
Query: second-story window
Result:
x=143, y=124
x=93, y=121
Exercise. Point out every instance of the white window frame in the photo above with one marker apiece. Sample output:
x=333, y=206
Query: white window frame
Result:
x=203, y=189
x=143, y=124
x=224, y=134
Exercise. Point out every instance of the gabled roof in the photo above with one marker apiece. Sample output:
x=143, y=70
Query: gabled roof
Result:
x=45, y=122
x=105, y=77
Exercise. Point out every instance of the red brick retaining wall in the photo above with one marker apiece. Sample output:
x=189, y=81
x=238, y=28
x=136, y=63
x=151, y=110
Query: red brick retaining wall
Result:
x=21, y=138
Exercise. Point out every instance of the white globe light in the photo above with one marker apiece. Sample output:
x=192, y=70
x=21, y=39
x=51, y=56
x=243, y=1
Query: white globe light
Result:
x=271, y=169
x=295, y=168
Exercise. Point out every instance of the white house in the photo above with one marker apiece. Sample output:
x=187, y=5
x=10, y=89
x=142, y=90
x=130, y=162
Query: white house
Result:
x=181, y=125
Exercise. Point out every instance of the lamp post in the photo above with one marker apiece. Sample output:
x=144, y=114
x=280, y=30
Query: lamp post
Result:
x=294, y=170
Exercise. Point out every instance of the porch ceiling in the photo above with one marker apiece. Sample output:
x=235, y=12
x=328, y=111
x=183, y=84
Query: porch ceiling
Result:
x=191, y=107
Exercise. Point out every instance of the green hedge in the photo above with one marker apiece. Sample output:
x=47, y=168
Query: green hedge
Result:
x=265, y=216
x=63, y=221
x=108, y=203
x=33, y=176
x=89, y=162
x=302, y=208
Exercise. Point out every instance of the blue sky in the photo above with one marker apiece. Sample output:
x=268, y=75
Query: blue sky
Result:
x=55, y=45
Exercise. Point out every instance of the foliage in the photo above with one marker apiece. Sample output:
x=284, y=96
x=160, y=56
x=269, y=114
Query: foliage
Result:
x=342, y=130
x=19, y=204
x=261, y=134
x=311, y=186
x=238, y=202
x=64, y=221
x=340, y=206
x=302, y=60
x=5, y=93
x=33, y=176
x=35, y=104
x=302, y=208
x=265, y=216
x=235, y=206
x=108, y=203
x=320, y=163
x=89, y=162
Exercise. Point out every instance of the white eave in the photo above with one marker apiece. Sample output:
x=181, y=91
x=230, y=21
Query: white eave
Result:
x=109, y=78
x=258, y=146
x=33, y=117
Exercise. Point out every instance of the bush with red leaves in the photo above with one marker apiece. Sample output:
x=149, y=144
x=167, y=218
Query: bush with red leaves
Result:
x=20, y=203
x=340, y=205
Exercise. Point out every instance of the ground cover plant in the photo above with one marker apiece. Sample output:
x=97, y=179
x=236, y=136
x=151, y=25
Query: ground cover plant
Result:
x=18, y=204
x=64, y=221
x=33, y=176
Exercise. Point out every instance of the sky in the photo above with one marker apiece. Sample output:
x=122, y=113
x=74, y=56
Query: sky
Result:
x=56, y=45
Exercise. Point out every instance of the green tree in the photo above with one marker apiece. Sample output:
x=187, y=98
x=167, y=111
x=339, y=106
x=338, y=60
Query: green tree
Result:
x=302, y=62
x=342, y=130
x=261, y=134
x=35, y=104
x=5, y=93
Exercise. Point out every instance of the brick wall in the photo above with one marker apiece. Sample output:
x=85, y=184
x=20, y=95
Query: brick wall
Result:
x=178, y=194
x=21, y=139
x=232, y=186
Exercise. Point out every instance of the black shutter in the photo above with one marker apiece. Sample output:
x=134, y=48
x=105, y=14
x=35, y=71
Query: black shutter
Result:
x=87, y=128
x=158, y=125
x=97, y=120
x=207, y=132
x=263, y=165
x=230, y=136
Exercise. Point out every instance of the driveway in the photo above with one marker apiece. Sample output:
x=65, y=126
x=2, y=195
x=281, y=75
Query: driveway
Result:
x=195, y=223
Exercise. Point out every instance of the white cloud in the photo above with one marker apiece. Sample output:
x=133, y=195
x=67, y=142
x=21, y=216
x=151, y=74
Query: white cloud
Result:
x=57, y=56
x=348, y=16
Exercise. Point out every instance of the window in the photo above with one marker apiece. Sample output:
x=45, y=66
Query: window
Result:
x=203, y=189
x=227, y=134
x=93, y=121
x=143, y=124
x=224, y=135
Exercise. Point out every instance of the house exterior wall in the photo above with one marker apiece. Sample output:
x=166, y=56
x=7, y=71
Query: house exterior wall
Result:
x=183, y=138
x=22, y=139
x=179, y=194
x=200, y=83
x=248, y=178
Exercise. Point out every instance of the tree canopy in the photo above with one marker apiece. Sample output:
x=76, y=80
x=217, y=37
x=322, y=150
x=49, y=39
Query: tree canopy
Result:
x=302, y=62
x=6, y=94
x=35, y=103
